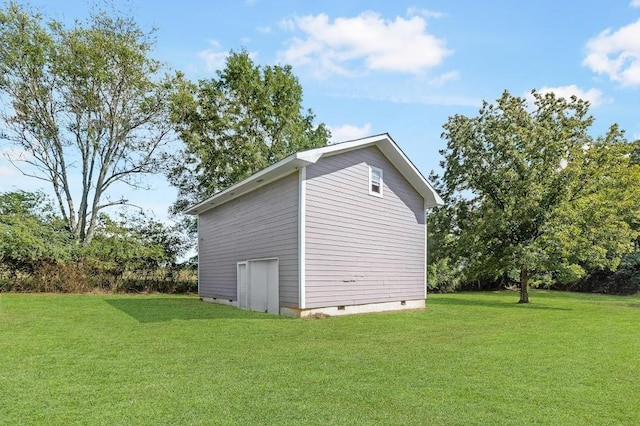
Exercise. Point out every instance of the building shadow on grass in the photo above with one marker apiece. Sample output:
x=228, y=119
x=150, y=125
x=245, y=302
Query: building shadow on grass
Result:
x=147, y=309
x=491, y=303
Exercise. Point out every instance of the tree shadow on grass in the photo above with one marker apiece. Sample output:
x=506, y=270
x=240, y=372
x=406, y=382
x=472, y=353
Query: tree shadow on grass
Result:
x=158, y=309
x=490, y=303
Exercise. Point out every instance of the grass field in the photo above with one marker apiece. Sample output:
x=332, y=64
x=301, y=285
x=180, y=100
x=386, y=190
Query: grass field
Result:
x=474, y=358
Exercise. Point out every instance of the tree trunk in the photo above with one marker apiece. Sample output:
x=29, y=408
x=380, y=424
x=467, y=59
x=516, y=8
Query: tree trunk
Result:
x=524, y=286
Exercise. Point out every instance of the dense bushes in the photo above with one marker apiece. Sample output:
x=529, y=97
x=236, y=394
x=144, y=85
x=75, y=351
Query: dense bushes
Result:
x=444, y=278
x=625, y=280
x=130, y=253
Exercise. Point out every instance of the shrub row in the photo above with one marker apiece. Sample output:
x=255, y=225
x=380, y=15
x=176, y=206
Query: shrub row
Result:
x=80, y=278
x=624, y=281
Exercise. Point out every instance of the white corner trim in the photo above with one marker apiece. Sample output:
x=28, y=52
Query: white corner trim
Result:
x=426, y=248
x=198, y=219
x=302, y=240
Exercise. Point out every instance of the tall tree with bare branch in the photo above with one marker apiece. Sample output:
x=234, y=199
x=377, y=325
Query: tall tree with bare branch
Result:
x=86, y=104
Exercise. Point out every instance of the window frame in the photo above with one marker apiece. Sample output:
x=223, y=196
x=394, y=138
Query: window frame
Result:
x=380, y=172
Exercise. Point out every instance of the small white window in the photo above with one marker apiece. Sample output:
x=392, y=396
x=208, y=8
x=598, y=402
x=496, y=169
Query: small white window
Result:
x=375, y=181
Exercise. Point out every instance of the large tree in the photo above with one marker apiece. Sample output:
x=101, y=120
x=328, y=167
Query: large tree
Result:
x=86, y=104
x=237, y=123
x=531, y=193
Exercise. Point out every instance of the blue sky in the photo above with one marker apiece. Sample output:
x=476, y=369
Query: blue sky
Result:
x=401, y=67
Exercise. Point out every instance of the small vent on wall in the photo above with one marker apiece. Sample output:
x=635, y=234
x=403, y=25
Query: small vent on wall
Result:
x=403, y=302
x=341, y=308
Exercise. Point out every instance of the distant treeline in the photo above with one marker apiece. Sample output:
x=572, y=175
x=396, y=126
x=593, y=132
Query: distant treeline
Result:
x=624, y=281
x=130, y=253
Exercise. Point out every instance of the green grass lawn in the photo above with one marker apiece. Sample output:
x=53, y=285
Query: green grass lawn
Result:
x=471, y=358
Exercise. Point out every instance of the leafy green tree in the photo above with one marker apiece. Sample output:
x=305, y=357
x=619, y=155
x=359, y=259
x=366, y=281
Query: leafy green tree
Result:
x=236, y=124
x=30, y=234
x=532, y=194
x=443, y=272
x=86, y=104
x=133, y=245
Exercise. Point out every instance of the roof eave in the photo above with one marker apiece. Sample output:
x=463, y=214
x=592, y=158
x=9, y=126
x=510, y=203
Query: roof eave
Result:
x=272, y=173
x=301, y=159
x=404, y=165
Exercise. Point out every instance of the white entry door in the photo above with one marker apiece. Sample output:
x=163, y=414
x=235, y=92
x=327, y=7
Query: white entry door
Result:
x=258, y=285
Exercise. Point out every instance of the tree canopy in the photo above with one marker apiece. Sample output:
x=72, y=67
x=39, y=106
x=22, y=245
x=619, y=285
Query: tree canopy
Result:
x=237, y=123
x=86, y=105
x=530, y=193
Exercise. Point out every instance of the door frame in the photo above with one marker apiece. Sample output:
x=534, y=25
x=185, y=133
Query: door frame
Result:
x=244, y=282
x=242, y=286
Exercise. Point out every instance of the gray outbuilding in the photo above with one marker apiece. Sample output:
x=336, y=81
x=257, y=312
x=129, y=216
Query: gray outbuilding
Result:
x=334, y=230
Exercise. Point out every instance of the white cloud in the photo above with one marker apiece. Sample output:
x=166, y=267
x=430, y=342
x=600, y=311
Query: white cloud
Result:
x=263, y=30
x=349, y=46
x=6, y=171
x=401, y=91
x=288, y=24
x=593, y=96
x=214, y=58
x=635, y=3
x=428, y=99
x=349, y=132
x=617, y=53
x=444, y=78
x=413, y=11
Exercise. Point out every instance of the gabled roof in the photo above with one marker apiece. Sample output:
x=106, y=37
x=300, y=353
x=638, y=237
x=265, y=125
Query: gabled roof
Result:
x=303, y=158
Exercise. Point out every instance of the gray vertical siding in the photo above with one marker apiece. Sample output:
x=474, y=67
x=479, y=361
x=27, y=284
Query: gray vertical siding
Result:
x=361, y=248
x=261, y=224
